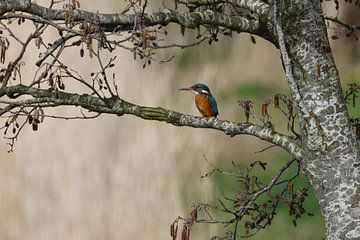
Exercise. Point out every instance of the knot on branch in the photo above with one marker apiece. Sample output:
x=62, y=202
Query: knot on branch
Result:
x=209, y=14
x=153, y=114
x=26, y=3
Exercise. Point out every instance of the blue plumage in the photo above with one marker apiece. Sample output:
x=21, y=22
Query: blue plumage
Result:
x=213, y=103
x=200, y=86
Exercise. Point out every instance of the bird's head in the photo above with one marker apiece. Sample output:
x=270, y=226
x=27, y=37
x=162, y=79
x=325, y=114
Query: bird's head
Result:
x=198, y=88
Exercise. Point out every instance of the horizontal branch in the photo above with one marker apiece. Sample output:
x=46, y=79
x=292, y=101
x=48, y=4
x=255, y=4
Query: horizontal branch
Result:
x=120, y=107
x=115, y=21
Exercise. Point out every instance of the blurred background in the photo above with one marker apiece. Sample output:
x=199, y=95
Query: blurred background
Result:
x=126, y=178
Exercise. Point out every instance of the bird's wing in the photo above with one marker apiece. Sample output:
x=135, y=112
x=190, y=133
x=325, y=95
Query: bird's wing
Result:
x=213, y=104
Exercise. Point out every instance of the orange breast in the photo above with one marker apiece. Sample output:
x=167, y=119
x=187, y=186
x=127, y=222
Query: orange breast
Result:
x=202, y=103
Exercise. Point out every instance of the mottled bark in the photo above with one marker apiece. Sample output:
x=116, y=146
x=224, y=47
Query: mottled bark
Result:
x=117, y=22
x=331, y=155
x=256, y=6
x=120, y=107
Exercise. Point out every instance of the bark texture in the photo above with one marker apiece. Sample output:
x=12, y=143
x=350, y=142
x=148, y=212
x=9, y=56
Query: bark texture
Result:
x=115, y=105
x=111, y=22
x=331, y=155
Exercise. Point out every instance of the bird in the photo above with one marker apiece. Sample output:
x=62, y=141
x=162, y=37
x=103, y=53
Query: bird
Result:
x=204, y=101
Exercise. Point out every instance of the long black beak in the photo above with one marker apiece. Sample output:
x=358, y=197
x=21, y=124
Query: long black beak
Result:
x=186, y=89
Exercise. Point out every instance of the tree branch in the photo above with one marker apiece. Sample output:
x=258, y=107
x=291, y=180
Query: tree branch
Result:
x=286, y=59
x=350, y=29
x=122, y=22
x=55, y=45
x=117, y=106
x=257, y=6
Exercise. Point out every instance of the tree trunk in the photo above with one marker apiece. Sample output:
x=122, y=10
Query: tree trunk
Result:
x=330, y=151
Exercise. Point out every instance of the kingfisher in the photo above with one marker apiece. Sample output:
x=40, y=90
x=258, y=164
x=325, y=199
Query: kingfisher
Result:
x=204, y=101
